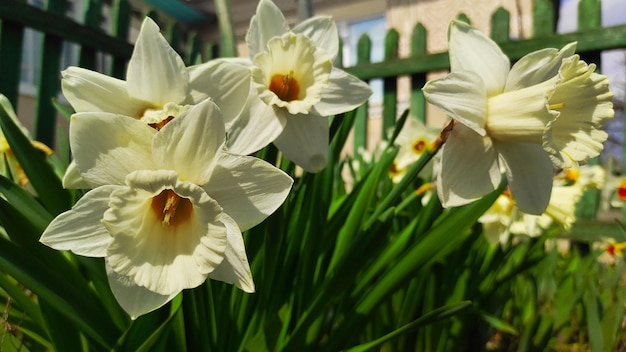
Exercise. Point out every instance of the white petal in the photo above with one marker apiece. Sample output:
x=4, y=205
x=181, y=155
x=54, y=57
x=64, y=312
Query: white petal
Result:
x=79, y=229
x=225, y=82
x=165, y=256
x=471, y=50
x=108, y=147
x=462, y=96
x=72, y=178
x=469, y=168
x=343, y=93
x=529, y=174
x=135, y=300
x=537, y=67
x=323, y=31
x=268, y=22
x=305, y=141
x=90, y=91
x=156, y=73
x=257, y=126
x=188, y=144
x=235, y=268
x=249, y=189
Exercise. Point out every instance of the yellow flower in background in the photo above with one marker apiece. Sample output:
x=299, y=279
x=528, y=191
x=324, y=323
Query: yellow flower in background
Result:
x=9, y=166
x=547, y=109
x=158, y=87
x=504, y=218
x=168, y=207
x=294, y=88
x=413, y=140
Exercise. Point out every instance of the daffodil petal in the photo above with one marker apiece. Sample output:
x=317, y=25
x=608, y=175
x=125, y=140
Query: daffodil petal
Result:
x=134, y=299
x=188, y=144
x=471, y=50
x=529, y=174
x=305, y=141
x=108, y=147
x=228, y=84
x=462, y=96
x=79, y=230
x=234, y=269
x=257, y=126
x=156, y=73
x=165, y=257
x=537, y=67
x=90, y=91
x=343, y=93
x=469, y=168
x=322, y=30
x=268, y=22
x=72, y=178
x=249, y=189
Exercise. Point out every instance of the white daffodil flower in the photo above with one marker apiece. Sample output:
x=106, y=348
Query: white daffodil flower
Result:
x=294, y=88
x=413, y=140
x=158, y=87
x=504, y=219
x=168, y=207
x=547, y=109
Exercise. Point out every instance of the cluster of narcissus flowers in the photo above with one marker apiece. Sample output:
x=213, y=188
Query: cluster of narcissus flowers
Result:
x=546, y=110
x=165, y=154
x=504, y=219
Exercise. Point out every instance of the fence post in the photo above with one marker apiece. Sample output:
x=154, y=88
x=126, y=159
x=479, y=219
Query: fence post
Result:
x=11, y=41
x=543, y=18
x=418, y=80
x=363, y=55
x=390, y=84
x=49, y=79
x=92, y=18
x=121, y=24
x=500, y=25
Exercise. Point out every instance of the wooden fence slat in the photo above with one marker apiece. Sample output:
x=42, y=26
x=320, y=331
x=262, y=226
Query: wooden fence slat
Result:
x=463, y=18
x=49, y=82
x=193, y=49
x=589, y=14
x=11, y=41
x=92, y=18
x=390, y=84
x=120, y=29
x=500, y=25
x=173, y=36
x=418, y=80
x=363, y=52
x=594, y=39
x=543, y=18
x=56, y=24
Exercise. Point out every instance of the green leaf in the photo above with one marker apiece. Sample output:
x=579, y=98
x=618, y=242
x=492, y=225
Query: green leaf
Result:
x=39, y=173
x=25, y=204
x=498, y=323
x=52, y=286
x=428, y=318
x=148, y=330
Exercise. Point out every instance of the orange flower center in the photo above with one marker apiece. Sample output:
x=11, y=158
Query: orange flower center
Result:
x=419, y=146
x=286, y=87
x=621, y=190
x=170, y=208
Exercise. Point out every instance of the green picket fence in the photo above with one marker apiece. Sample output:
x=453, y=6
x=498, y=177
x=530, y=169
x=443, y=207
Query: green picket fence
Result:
x=592, y=38
x=15, y=15
x=57, y=28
